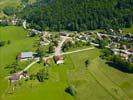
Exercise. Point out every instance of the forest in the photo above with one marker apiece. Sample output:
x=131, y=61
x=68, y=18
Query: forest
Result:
x=78, y=15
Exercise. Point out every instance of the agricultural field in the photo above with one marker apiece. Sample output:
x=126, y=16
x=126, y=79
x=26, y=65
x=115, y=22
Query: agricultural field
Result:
x=97, y=82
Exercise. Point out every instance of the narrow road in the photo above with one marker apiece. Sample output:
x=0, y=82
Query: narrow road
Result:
x=30, y=65
x=78, y=51
x=58, y=48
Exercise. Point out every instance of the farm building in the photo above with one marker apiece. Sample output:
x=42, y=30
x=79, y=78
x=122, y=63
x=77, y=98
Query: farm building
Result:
x=26, y=56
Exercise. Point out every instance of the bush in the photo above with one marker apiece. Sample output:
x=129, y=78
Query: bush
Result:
x=32, y=77
x=71, y=90
x=106, y=54
x=42, y=75
x=121, y=64
x=2, y=43
x=8, y=42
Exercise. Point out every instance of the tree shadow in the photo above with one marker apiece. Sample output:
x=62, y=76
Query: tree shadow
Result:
x=120, y=68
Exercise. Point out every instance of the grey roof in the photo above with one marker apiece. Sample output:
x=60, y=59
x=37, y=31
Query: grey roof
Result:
x=26, y=55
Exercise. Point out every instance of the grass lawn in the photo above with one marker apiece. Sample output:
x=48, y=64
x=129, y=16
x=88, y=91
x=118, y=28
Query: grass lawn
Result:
x=97, y=82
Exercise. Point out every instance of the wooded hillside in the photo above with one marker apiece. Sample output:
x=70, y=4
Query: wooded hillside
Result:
x=79, y=14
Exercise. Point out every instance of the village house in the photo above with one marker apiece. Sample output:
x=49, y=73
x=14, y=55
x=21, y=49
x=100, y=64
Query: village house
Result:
x=58, y=59
x=25, y=56
x=18, y=76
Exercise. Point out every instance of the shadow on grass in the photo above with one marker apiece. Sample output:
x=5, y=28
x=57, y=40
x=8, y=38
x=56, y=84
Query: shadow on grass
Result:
x=121, y=68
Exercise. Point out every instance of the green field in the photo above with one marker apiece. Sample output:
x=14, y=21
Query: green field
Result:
x=97, y=82
x=19, y=42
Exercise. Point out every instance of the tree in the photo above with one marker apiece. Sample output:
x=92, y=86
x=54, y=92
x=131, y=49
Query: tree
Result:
x=2, y=43
x=42, y=75
x=51, y=49
x=32, y=77
x=79, y=15
x=128, y=22
x=24, y=2
x=40, y=53
x=71, y=90
x=14, y=67
x=88, y=43
x=65, y=47
x=87, y=62
x=102, y=43
x=106, y=54
x=8, y=42
x=56, y=43
x=9, y=10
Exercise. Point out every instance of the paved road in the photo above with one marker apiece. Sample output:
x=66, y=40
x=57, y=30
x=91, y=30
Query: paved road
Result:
x=58, y=49
x=78, y=51
x=30, y=65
